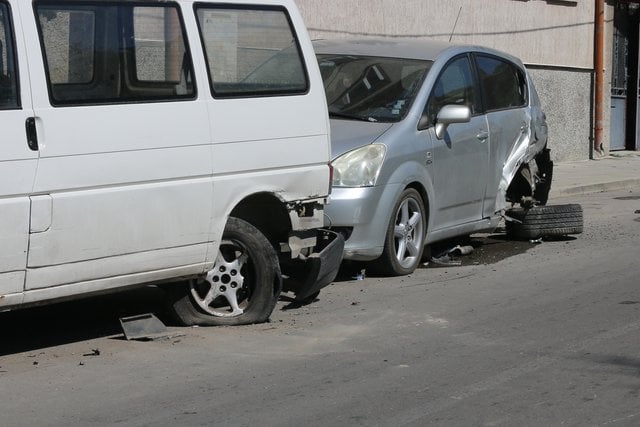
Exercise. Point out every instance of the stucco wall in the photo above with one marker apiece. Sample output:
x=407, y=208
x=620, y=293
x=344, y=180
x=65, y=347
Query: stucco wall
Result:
x=565, y=96
x=537, y=31
x=554, y=38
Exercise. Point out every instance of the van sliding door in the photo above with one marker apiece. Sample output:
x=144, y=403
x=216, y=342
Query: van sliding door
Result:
x=124, y=180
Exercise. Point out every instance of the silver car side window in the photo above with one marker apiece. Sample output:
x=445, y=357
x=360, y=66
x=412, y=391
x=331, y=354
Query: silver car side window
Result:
x=504, y=85
x=454, y=86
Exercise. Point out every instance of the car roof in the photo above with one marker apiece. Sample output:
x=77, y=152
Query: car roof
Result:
x=386, y=47
x=396, y=47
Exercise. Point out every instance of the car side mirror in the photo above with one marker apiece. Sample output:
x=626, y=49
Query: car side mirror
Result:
x=450, y=114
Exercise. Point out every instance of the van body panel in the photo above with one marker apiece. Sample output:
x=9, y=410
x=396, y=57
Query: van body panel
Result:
x=62, y=292
x=18, y=162
x=41, y=213
x=99, y=223
x=140, y=170
x=137, y=168
x=124, y=265
x=274, y=172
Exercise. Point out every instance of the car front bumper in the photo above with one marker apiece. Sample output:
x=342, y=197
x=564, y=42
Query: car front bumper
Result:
x=366, y=212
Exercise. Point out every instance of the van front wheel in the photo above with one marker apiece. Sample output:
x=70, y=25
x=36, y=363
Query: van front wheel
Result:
x=242, y=287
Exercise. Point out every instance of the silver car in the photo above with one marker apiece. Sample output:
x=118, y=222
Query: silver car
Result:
x=429, y=141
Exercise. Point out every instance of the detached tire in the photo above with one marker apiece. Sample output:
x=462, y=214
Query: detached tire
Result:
x=542, y=221
x=242, y=287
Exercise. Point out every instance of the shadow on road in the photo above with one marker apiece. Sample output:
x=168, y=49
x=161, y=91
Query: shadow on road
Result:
x=487, y=249
x=79, y=320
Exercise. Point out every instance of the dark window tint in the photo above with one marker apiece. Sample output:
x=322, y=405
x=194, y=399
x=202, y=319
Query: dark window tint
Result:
x=104, y=53
x=251, y=52
x=454, y=86
x=504, y=85
x=8, y=76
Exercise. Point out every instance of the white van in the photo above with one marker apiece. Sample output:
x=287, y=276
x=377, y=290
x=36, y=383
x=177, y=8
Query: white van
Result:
x=170, y=142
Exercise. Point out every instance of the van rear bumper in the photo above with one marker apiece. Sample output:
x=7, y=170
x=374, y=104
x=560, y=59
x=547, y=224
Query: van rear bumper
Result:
x=305, y=276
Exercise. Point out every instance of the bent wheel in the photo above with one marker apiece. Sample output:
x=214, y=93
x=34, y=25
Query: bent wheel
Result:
x=242, y=287
x=405, y=236
x=541, y=221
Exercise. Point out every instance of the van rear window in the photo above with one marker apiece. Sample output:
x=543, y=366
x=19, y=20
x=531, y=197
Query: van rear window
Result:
x=251, y=51
x=114, y=52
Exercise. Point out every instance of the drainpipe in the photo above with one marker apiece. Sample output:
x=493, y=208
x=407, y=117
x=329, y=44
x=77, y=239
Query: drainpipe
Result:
x=599, y=71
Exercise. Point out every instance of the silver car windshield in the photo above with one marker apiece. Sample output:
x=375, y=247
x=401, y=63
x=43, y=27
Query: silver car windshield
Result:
x=375, y=89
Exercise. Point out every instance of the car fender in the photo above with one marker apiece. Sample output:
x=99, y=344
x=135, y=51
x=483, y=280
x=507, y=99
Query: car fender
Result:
x=411, y=173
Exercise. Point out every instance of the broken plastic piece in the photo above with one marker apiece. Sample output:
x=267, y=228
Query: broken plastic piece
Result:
x=461, y=250
x=536, y=241
x=446, y=260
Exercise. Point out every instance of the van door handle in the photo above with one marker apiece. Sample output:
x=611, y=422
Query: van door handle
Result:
x=32, y=135
x=482, y=135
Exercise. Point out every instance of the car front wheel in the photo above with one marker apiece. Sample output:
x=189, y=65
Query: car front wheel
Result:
x=405, y=236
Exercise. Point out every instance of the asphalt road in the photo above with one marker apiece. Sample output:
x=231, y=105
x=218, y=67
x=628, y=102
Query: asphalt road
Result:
x=520, y=334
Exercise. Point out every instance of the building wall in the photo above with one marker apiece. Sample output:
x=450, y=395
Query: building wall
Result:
x=555, y=38
x=566, y=97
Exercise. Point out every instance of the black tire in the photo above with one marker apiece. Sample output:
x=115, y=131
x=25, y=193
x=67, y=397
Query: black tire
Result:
x=545, y=221
x=405, y=236
x=242, y=287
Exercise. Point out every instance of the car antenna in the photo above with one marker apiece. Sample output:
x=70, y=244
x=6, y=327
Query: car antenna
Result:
x=455, y=25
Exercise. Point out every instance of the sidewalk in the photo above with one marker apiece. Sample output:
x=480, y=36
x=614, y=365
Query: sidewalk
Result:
x=618, y=171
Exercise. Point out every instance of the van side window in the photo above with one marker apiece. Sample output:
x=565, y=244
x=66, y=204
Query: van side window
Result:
x=8, y=77
x=251, y=52
x=504, y=85
x=114, y=52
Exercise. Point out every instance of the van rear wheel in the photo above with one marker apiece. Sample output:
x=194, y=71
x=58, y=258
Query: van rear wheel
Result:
x=242, y=287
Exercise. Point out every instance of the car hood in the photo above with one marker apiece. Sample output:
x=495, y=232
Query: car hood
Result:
x=347, y=135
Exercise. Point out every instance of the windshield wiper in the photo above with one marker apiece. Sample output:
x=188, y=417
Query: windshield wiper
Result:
x=334, y=114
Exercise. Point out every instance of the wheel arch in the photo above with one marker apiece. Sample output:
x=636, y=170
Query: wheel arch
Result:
x=267, y=212
x=416, y=185
x=531, y=183
x=412, y=175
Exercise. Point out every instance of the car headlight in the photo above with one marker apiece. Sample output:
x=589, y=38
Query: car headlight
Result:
x=360, y=167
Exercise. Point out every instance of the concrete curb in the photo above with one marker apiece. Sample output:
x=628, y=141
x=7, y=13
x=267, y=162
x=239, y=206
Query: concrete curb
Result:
x=595, y=188
x=618, y=171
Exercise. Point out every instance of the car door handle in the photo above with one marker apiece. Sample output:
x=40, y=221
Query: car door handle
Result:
x=482, y=135
x=32, y=134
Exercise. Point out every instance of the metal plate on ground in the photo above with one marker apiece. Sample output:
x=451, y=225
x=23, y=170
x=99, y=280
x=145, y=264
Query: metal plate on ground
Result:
x=143, y=327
